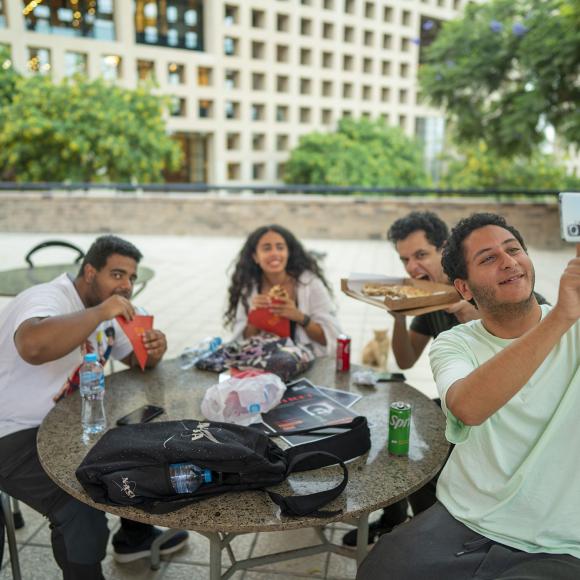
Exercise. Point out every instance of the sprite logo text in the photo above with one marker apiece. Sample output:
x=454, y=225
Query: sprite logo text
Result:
x=399, y=423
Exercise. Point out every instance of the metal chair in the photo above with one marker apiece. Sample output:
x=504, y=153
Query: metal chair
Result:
x=7, y=520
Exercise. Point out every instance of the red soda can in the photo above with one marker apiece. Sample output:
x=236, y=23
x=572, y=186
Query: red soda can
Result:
x=343, y=353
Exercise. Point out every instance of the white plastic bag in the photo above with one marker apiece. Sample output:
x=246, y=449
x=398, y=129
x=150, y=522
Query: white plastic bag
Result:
x=242, y=400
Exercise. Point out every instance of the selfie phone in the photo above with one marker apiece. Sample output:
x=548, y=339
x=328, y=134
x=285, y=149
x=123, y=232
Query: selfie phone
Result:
x=570, y=216
x=390, y=377
x=141, y=415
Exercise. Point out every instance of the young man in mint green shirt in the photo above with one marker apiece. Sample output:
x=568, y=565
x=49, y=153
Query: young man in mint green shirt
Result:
x=509, y=497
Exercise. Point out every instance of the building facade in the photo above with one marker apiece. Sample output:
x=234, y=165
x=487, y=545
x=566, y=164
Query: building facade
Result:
x=246, y=78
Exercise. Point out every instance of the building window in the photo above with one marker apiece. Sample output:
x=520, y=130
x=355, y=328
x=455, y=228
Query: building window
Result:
x=403, y=122
x=282, y=22
x=39, y=61
x=305, y=27
x=305, y=56
x=305, y=115
x=347, y=91
x=258, y=170
x=387, y=41
x=258, y=19
x=177, y=107
x=328, y=30
x=231, y=79
x=280, y=169
x=111, y=67
x=282, y=53
x=258, y=50
x=281, y=114
x=367, y=93
x=282, y=142
x=367, y=65
x=204, y=76
x=305, y=86
x=233, y=171
x=349, y=6
x=258, y=142
x=257, y=112
x=75, y=63
x=387, y=14
x=328, y=4
x=145, y=70
x=175, y=74
x=347, y=62
x=405, y=44
x=327, y=59
x=327, y=88
x=369, y=38
x=231, y=15
x=232, y=110
x=406, y=18
x=385, y=95
x=233, y=141
x=85, y=18
x=231, y=46
x=403, y=95
x=386, y=68
x=258, y=81
x=348, y=34
x=205, y=109
x=404, y=69
x=282, y=84
x=326, y=117
x=369, y=10
x=175, y=23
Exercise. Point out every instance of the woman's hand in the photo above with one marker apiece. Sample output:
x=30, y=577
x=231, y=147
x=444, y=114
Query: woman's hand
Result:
x=286, y=308
x=261, y=301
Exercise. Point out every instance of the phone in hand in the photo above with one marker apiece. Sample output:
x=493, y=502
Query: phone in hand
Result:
x=141, y=415
x=570, y=216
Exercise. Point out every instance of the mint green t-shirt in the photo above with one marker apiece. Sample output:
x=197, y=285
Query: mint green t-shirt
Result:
x=516, y=477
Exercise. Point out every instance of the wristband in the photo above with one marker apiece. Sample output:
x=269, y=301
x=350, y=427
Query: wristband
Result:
x=305, y=322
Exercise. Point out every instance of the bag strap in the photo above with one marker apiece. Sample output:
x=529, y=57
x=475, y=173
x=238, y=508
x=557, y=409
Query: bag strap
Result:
x=303, y=505
x=353, y=442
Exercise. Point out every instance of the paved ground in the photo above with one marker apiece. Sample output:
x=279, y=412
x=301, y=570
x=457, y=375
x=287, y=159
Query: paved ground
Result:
x=187, y=297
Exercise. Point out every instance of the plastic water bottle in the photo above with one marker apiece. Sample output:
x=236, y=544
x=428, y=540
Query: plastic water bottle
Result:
x=241, y=412
x=188, y=477
x=192, y=354
x=92, y=387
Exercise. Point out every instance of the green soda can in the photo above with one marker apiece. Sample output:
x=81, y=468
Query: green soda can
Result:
x=399, y=428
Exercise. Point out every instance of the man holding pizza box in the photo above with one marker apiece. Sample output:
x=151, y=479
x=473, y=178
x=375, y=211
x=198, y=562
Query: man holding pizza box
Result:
x=44, y=333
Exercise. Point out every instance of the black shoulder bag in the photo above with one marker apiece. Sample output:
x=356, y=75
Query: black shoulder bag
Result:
x=129, y=465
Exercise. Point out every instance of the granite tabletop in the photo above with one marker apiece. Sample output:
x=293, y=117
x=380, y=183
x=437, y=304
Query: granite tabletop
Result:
x=376, y=479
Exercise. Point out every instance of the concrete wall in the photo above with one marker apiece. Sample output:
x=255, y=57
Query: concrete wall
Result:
x=309, y=216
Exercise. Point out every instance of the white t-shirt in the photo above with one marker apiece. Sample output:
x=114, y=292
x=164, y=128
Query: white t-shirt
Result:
x=27, y=391
x=515, y=478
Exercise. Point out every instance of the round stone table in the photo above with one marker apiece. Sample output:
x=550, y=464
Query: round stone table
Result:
x=376, y=479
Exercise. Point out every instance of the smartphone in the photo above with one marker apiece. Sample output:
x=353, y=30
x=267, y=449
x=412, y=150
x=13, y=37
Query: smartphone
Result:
x=570, y=216
x=141, y=415
x=390, y=377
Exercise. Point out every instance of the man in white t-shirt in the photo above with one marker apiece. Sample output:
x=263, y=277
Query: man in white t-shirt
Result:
x=44, y=333
x=510, y=388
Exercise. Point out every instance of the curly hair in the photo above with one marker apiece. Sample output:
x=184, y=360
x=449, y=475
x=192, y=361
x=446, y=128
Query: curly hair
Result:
x=247, y=274
x=105, y=246
x=434, y=227
x=453, y=258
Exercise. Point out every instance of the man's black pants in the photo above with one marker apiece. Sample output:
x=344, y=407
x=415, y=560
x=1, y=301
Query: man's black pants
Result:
x=79, y=533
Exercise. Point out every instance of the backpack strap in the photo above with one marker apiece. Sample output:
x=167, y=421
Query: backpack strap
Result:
x=302, y=505
x=354, y=441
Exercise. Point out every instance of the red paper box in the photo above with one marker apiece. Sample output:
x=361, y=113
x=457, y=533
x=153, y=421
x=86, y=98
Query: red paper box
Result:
x=265, y=319
x=135, y=329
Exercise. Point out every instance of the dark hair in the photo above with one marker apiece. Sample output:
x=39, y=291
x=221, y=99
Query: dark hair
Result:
x=105, y=246
x=435, y=228
x=453, y=258
x=248, y=274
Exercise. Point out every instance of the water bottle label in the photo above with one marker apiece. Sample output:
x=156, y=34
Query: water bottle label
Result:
x=254, y=408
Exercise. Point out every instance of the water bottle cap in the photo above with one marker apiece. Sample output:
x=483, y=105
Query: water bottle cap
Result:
x=207, y=477
x=91, y=357
x=254, y=408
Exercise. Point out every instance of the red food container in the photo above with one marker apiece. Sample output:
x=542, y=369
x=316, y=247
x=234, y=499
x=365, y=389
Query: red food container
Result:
x=343, y=353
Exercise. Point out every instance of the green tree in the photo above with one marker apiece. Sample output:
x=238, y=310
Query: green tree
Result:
x=8, y=77
x=508, y=69
x=479, y=167
x=81, y=130
x=360, y=153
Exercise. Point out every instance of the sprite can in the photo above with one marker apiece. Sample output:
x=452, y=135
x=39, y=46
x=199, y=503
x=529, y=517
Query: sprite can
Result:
x=399, y=428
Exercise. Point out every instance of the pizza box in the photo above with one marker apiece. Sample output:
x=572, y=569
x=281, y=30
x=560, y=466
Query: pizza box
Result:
x=441, y=295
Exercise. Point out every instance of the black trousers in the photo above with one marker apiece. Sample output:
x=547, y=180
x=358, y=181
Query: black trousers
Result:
x=79, y=533
x=435, y=546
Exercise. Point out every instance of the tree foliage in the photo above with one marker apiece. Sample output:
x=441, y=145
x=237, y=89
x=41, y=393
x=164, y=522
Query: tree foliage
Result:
x=81, y=130
x=479, y=167
x=508, y=69
x=360, y=153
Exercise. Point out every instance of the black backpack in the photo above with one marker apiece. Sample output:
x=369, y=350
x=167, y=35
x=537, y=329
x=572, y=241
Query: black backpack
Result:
x=129, y=465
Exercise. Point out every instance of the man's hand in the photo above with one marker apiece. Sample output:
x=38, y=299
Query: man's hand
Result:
x=156, y=345
x=115, y=306
x=568, y=305
x=464, y=311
